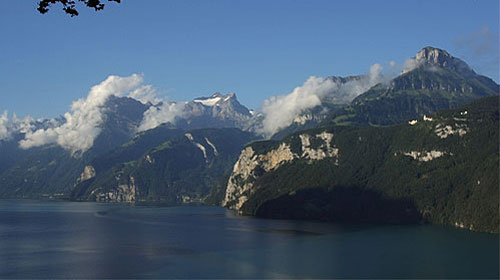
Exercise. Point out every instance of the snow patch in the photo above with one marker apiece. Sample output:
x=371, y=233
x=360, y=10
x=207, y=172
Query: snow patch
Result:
x=228, y=96
x=212, y=145
x=202, y=148
x=209, y=101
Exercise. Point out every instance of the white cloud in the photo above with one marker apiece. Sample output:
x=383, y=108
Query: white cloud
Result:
x=166, y=112
x=145, y=94
x=4, y=126
x=280, y=111
x=22, y=125
x=83, y=124
x=411, y=63
x=39, y=137
x=15, y=125
x=375, y=74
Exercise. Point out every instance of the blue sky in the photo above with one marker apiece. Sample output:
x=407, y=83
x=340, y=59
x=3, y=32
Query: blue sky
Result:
x=257, y=49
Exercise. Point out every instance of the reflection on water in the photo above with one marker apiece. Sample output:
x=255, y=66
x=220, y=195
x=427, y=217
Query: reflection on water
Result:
x=90, y=240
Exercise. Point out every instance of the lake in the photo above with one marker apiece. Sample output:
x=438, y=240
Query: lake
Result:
x=47, y=239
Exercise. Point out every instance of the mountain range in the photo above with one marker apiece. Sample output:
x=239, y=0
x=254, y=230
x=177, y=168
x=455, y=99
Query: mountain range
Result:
x=441, y=168
x=51, y=171
x=367, y=150
x=438, y=81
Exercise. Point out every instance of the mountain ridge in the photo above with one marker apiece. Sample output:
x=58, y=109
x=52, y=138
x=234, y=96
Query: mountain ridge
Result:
x=440, y=169
x=188, y=152
x=438, y=81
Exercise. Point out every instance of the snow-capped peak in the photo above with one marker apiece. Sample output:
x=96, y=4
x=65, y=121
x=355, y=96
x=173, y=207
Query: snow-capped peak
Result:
x=208, y=101
x=214, y=99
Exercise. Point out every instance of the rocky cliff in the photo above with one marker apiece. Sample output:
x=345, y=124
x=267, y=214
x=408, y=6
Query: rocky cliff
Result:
x=251, y=164
x=440, y=169
x=434, y=81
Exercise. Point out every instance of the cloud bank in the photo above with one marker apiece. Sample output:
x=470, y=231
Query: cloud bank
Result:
x=157, y=115
x=4, y=126
x=145, y=94
x=83, y=124
x=410, y=64
x=15, y=125
x=280, y=111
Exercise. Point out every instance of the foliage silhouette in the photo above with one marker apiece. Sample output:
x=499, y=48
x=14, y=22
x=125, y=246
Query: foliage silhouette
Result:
x=69, y=6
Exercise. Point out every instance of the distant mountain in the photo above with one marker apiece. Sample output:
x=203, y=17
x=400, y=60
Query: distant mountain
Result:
x=216, y=111
x=442, y=169
x=438, y=81
x=122, y=116
x=10, y=151
x=135, y=148
x=42, y=172
x=49, y=170
x=181, y=169
x=333, y=162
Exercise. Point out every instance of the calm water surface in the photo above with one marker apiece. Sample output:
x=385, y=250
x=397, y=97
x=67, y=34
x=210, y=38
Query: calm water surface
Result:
x=89, y=240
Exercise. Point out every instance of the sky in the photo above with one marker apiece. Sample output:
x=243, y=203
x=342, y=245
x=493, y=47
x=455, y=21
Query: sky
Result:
x=257, y=49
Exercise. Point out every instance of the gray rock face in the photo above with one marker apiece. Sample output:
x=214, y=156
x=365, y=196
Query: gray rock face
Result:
x=87, y=174
x=251, y=164
x=216, y=111
x=323, y=151
x=441, y=58
x=121, y=193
